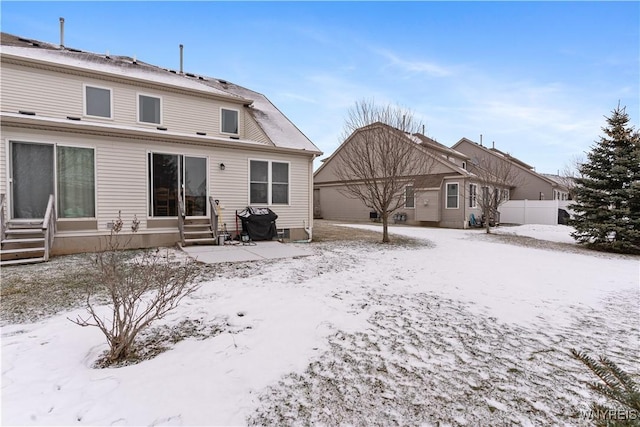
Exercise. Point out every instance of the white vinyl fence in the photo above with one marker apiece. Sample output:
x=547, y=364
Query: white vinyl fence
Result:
x=532, y=211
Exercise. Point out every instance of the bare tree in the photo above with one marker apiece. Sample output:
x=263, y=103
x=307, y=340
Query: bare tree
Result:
x=381, y=157
x=140, y=290
x=496, y=176
x=570, y=173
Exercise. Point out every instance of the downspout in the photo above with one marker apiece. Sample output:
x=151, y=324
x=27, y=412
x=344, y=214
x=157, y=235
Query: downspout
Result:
x=309, y=229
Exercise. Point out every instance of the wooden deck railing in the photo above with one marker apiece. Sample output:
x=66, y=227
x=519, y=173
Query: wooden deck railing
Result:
x=181, y=217
x=49, y=226
x=2, y=217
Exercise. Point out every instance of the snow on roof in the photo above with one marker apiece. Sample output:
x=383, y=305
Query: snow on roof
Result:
x=119, y=66
x=278, y=128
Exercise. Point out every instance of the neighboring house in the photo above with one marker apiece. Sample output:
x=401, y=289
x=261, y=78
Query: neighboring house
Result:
x=564, y=182
x=441, y=198
x=528, y=184
x=103, y=134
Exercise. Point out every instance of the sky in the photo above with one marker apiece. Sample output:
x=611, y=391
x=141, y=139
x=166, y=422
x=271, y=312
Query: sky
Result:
x=537, y=79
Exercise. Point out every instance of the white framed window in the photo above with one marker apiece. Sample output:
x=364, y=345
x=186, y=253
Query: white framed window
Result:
x=229, y=121
x=464, y=165
x=268, y=182
x=505, y=195
x=409, y=197
x=98, y=101
x=149, y=109
x=452, y=195
x=473, y=195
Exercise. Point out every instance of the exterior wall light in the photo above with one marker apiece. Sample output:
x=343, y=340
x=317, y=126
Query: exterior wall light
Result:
x=222, y=166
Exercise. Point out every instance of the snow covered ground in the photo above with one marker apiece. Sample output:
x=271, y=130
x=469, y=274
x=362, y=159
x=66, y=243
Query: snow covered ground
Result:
x=465, y=330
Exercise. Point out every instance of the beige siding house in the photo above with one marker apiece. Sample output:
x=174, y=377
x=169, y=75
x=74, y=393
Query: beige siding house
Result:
x=106, y=135
x=530, y=185
x=442, y=198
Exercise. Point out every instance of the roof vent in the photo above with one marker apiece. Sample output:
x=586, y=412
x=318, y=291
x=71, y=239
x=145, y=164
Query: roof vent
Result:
x=224, y=82
x=181, y=56
x=27, y=113
x=190, y=75
x=61, y=33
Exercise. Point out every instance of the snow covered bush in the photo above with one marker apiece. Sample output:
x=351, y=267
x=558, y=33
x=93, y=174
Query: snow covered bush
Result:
x=140, y=290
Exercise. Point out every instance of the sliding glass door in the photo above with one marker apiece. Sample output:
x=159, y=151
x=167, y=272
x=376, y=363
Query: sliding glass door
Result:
x=168, y=174
x=195, y=186
x=34, y=170
x=31, y=179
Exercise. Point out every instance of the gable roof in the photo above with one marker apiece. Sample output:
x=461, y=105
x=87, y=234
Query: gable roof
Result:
x=435, y=145
x=506, y=157
x=278, y=128
x=410, y=138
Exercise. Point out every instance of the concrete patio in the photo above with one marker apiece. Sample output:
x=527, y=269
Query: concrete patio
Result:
x=237, y=252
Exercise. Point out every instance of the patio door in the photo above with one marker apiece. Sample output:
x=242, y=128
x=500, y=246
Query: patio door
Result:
x=32, y=179
x=195, y=186
x=173, y=175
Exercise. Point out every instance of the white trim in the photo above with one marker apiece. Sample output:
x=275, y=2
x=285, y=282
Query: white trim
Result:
x=181, y=178
x=269, y=182
x=95, y=181
x=84, y=101
x=55, y=145
x=474, y=204
x=207, y=182
x=237, y=120
x=446, y=199
x=148, y=95
x=405, y=197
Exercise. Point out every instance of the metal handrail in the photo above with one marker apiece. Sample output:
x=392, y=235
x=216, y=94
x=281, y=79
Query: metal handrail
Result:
x=49, y=226
x=181, y=217
x=3, y=200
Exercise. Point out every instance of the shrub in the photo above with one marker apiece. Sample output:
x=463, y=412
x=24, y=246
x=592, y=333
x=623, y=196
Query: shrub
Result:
x=140, y=290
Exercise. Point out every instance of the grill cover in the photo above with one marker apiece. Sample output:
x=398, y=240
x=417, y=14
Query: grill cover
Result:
x=259, y=223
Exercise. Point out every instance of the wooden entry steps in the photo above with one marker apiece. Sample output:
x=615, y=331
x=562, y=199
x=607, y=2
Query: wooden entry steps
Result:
x=198, y=231
x=23, y=243
x=27, y=241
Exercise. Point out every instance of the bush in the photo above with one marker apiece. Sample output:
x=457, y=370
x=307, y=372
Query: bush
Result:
x=140, y=290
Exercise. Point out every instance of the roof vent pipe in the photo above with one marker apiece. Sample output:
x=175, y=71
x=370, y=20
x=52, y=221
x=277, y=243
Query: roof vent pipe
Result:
x=493, y=145
x=480, y=140
x=61, y=33
x=423, y=129
x=181, y=56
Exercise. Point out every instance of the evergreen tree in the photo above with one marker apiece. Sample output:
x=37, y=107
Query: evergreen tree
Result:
x=620, y=390
x=608, y=192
